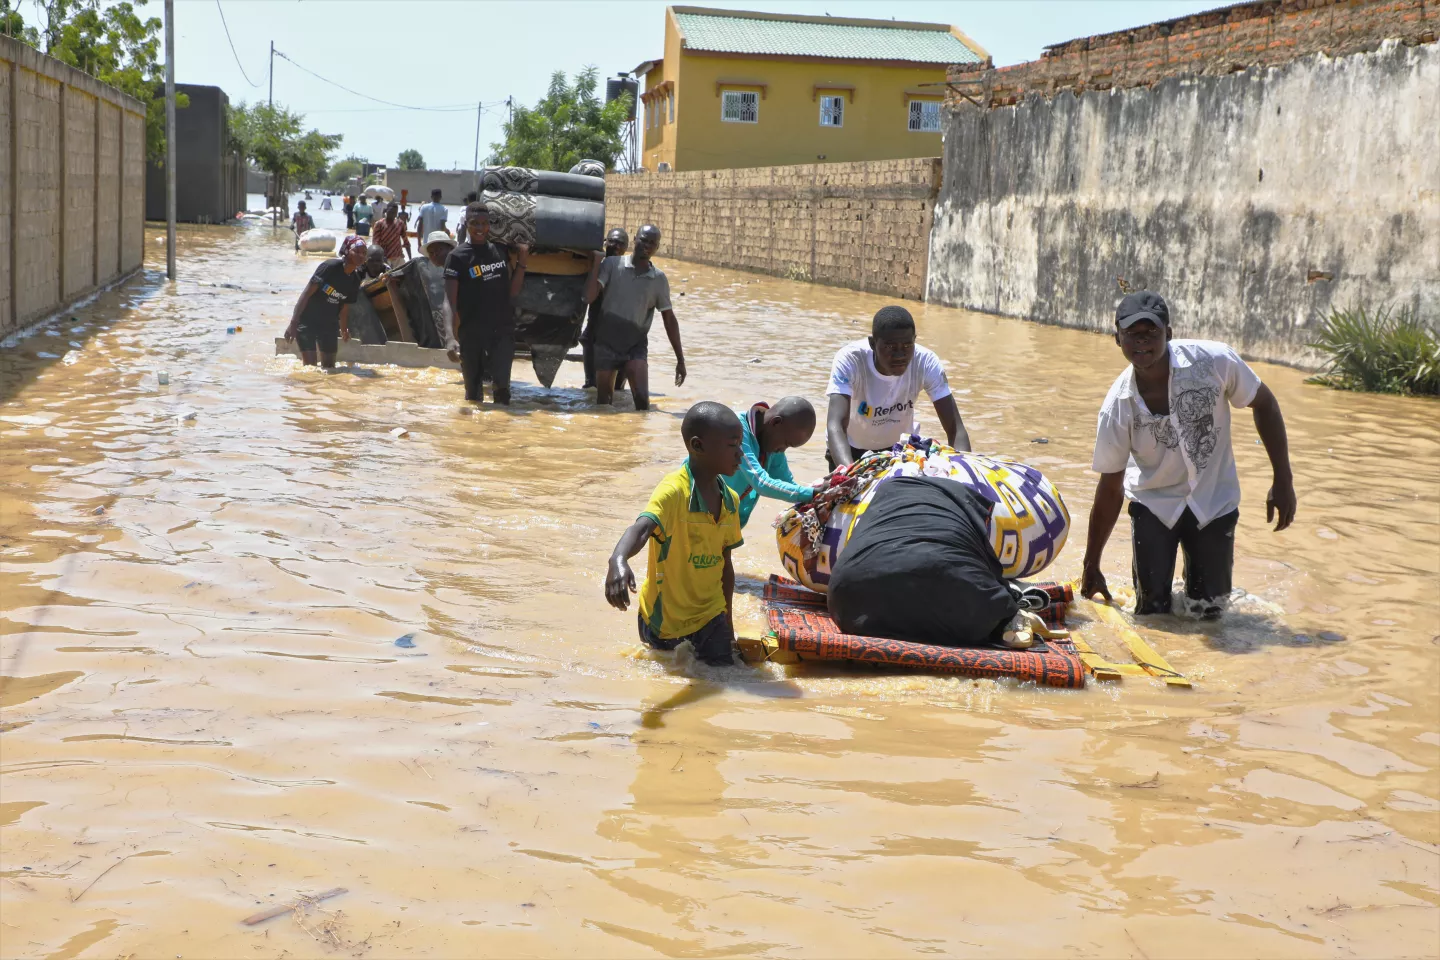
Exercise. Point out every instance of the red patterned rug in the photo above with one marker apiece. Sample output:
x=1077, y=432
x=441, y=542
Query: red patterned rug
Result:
x=802, y=625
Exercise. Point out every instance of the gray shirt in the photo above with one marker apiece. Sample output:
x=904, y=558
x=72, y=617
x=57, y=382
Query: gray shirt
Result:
x=628, y=301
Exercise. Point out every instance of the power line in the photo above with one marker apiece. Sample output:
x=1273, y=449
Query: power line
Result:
x=232, y=46
x=455, y=108
x=466, y=109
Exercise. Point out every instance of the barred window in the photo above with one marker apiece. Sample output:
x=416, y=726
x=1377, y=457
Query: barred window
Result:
x=925, y=116
x=740, y=106
x=832, y=111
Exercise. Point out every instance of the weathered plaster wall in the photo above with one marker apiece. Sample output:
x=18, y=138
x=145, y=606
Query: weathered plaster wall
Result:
x=1253, y=201
x=862, y=225
x=72, y=184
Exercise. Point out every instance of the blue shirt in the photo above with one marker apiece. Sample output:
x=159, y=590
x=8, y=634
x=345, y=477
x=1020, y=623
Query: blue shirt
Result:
x=763, y=475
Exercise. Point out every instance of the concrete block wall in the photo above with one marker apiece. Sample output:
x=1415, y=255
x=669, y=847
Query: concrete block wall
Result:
x=1254, y=201
x=454, y=184
x=72, y=154
x=1213, y=43
x=863, y=225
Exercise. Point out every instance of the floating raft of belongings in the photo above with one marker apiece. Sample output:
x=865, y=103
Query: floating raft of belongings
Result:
x=1028, y=526
x=801, y=629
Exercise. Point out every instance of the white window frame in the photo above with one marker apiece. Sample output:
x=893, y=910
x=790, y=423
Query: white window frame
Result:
x=910, y=115
x=837, y=105
x=670, y=99
x=739, y=95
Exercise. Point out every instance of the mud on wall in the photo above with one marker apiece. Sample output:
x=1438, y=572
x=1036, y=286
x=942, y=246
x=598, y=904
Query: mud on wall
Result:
x=863, y=225
x=72, y=184
x=1253, y=201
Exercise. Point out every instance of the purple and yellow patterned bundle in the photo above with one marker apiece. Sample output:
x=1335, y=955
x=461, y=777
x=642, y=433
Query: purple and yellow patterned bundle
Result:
x=1028, y=520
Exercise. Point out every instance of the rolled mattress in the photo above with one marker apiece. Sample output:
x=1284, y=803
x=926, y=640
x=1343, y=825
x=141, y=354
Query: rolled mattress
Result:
x=546, y=183
x=552, y=222
x=801, y=625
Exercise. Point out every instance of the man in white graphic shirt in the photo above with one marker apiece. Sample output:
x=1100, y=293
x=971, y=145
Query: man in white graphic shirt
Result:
x=874, y=384
x=1163, y=442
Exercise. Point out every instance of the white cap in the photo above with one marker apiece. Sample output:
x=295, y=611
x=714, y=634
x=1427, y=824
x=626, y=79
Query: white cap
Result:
x=438, y=236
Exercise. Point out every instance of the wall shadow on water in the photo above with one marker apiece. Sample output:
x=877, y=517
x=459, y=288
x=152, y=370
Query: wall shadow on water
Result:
x=36, y=350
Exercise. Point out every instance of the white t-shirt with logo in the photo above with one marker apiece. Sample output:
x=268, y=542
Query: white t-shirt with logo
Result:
x=882, y=409
x=1181, y=459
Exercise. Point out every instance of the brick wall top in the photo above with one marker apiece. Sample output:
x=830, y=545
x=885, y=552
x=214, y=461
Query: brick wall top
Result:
x=33, y=60
x=1227, y=40
x=913, y=177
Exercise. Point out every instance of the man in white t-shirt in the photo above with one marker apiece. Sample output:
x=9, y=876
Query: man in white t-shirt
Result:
x=874, y=384
x=1163, y=442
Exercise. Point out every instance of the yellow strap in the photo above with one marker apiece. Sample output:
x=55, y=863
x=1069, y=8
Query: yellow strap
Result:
x=1144, y=654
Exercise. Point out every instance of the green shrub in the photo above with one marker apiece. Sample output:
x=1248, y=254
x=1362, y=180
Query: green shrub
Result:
x=1384, y=351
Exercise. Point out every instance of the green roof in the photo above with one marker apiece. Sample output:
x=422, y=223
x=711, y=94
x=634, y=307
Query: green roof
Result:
x=801, y=37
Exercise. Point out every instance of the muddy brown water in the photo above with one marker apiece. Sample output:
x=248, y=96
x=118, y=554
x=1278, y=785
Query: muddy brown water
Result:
x=206, y=713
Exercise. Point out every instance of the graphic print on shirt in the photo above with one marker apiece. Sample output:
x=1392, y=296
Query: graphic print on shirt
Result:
x=1161, y=428
x=1196, y=393
x=1195, y=409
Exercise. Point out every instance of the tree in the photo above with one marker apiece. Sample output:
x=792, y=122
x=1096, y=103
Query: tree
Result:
x=12, y=24
x=410, y=160
x=568, y=125
x=273, y=138
x=112, y=44
x=344, y=171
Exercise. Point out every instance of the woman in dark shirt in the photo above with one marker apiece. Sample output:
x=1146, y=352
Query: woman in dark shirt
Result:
x=322, y=314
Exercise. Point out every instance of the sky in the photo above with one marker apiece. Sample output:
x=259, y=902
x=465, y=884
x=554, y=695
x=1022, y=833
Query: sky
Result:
x=455, y=54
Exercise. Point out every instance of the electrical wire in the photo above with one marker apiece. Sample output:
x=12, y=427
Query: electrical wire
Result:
x=232, y=46
x=456, y=108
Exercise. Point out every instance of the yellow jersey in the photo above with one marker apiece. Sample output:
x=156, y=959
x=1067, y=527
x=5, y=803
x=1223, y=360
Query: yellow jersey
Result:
x=684, y=587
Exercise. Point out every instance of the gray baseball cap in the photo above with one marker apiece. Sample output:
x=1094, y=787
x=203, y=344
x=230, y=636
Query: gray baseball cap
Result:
x=1142, y=305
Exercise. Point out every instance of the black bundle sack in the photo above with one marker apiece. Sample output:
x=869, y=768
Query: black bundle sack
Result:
x=919, y=567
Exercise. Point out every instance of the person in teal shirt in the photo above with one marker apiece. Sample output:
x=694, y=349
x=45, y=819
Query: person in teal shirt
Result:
x=764, y=470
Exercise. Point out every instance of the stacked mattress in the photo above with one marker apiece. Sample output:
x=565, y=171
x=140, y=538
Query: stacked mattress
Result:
x=561, y=216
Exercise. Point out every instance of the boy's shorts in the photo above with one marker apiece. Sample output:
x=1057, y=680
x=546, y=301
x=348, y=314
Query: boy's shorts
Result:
x=714, y=643
x=608, y=358
x=324, y=338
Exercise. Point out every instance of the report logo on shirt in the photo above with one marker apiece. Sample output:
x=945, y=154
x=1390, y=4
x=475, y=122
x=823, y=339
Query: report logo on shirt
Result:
x=332, y=293
x=486, y=271
x=879, y=413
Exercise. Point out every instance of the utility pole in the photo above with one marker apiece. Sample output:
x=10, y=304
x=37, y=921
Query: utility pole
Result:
x=479, y=109
x=272, y=181
x=170, y=139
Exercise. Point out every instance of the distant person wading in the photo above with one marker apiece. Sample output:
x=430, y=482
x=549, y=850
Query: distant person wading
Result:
x=364, y=216
x=391, y=235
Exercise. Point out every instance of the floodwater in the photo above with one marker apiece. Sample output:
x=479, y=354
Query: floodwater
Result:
x=206, y=712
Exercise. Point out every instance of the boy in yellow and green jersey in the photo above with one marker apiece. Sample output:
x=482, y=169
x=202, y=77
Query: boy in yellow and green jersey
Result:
x=691, y=524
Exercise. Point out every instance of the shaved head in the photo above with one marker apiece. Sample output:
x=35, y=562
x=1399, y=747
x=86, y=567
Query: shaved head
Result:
x=705, y=418
x=795, y=408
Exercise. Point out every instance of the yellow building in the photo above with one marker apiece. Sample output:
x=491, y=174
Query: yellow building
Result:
x=742, y=89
